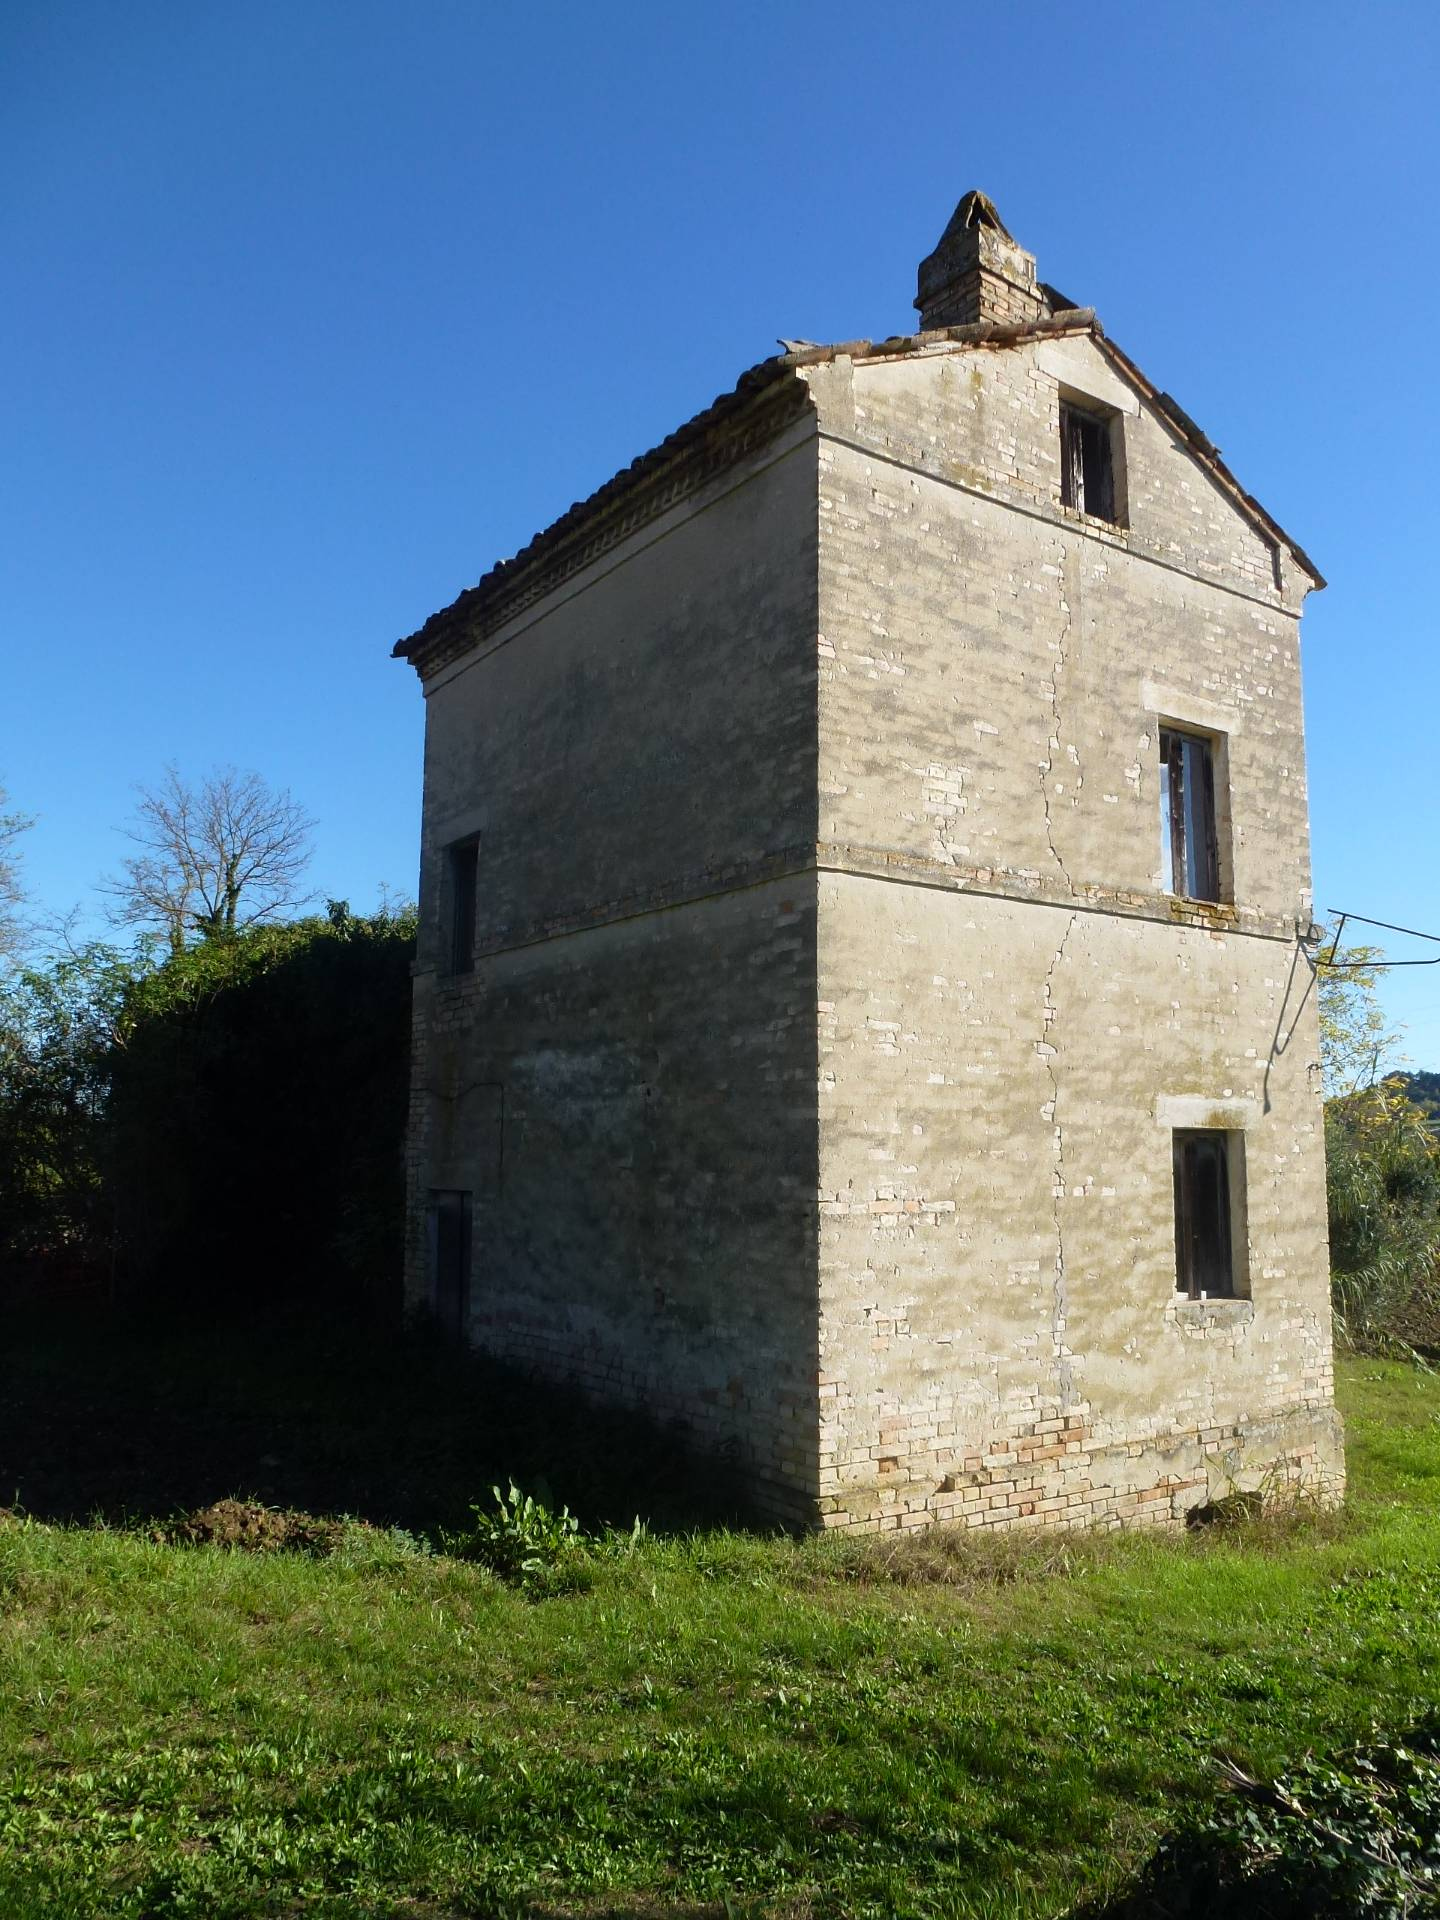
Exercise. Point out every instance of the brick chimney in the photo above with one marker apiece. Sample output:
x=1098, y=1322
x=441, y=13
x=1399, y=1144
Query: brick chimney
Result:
x=978, y=272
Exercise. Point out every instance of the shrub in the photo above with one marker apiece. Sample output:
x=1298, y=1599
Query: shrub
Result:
x=1383, y=1166
x=1356, y=1837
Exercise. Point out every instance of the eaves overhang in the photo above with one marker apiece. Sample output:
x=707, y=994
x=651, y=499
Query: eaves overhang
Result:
x=1208, y=454
x=763, y=401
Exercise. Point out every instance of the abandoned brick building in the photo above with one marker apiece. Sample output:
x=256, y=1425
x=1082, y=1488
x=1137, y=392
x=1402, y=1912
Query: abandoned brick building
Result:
x=862, y=1007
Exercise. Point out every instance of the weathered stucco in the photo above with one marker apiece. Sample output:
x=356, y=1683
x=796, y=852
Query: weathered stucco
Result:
x=997, y=1232
x=1006, y=994
x=625, y=1082
x=648, y=730
x=816, y=1077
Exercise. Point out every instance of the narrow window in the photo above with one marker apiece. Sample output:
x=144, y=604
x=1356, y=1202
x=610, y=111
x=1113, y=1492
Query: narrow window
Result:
x=462, y=863
x=1209, y=1176
x=1087, y=468
x=1189, y=841
x=449, y=1234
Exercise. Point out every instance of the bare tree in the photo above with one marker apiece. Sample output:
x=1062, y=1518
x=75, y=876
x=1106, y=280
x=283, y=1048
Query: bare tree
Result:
x=12, y=825
x=214, y=857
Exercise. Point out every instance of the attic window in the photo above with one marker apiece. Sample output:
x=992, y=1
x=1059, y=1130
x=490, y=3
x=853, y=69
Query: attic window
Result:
x=1087, y=462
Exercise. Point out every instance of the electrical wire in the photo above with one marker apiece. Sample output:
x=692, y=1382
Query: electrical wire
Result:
x=1360, y=966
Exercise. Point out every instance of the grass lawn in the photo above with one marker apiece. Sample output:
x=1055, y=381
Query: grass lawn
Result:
x=717, y=1723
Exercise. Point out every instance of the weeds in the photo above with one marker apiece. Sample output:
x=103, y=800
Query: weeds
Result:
x=249, y=1527
x=954, y=1558
x=920, y=1731
x=520, y=1538
x=1356, y=1837
x=969, y=1562
x=245, y=1526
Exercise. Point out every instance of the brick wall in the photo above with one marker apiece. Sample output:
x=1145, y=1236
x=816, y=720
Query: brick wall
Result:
x=625, y=1083
x=1007, y=996
x=997, y=1223
x=816, y=1078
x=647, y=732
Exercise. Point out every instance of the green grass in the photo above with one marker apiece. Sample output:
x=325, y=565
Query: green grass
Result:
x=719, y=1723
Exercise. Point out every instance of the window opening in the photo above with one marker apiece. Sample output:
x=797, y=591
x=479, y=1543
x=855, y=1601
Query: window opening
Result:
x=449, y=1229
x=1205, y=1227
x=1189, y=841
x=1087, y=469
x=463, y=863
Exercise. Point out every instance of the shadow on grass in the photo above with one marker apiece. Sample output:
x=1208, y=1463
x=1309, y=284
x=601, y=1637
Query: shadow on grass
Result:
x=126, y=1419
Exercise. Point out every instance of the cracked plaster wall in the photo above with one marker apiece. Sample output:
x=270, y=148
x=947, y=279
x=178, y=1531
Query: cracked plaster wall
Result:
x=1005, y=991
x=625, y=1082
x=989, y=663
x=882, y=813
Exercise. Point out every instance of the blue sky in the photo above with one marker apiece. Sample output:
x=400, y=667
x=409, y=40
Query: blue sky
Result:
x=317, y=307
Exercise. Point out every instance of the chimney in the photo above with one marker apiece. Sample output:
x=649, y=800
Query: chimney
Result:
x=978, y=273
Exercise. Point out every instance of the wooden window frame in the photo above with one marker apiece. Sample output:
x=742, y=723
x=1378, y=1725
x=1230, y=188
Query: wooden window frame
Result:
x=1210, y=1252
x=1089, y=462
x=1191, y=867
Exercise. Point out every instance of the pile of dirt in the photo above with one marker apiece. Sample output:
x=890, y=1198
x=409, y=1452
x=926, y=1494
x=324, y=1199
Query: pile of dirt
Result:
x=252, y=1528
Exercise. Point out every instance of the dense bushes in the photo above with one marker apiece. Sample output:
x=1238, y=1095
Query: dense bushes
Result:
x=59, y=1029
x=1382, y=1161
x=1356, y=1837
x=1383, y=1167
x=227, y=1125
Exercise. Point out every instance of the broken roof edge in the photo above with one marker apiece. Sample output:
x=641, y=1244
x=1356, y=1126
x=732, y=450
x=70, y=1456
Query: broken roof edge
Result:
x=643, y=470
x=757, y=381
x=1205, y=450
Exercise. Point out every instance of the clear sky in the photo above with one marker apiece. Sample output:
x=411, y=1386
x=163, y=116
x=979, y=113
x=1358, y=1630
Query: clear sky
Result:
x=316, y=308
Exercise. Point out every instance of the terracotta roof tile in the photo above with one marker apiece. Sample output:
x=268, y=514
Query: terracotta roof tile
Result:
x=782, y=367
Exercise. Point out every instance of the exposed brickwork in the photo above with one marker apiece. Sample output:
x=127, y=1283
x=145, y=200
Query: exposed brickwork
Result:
x=978, y=273
x=1056, y=1472
x=987, y=422
x=1006, y=991
x=587, y=1090
x=585, y=746
x=816, y=1079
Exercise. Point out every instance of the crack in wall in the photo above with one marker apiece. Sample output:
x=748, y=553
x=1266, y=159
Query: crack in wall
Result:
x=1047, y=766
x=1059, y=1296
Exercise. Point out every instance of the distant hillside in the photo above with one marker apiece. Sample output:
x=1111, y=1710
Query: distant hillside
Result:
x=1424, y=1090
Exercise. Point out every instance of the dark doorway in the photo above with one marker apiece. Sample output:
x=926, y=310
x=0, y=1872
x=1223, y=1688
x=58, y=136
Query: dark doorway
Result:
x=450, y=1212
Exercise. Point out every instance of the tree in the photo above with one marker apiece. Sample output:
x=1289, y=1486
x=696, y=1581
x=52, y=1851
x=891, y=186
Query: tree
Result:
x=1383, y=1176
x=214, y=858
x=1424, y=1089
x=12, y=825
x=1382, y=1163
x=1357, y=1044
x=223, y=1125
x=62, y=1022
